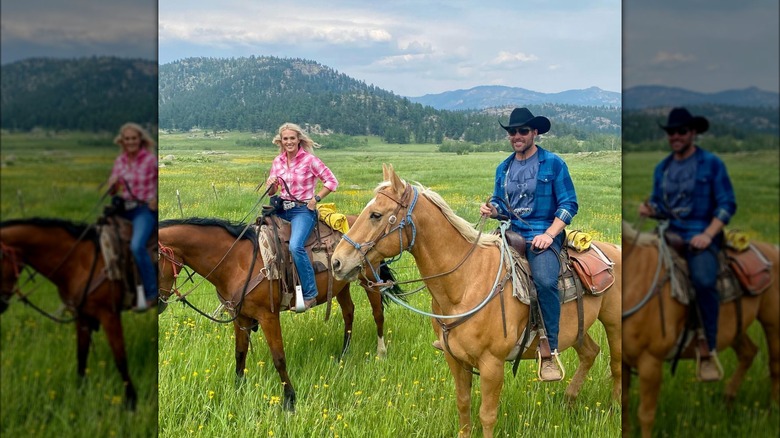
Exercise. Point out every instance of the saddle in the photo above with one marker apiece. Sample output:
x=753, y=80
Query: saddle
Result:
x=745, y=272
x=115, y=234
x=274, y=241
x=592, y=266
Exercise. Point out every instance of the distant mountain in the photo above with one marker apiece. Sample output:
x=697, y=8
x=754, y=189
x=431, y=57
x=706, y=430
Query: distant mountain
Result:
x=261, y=93
x=488, y=96
x=86, y=94
x=651, y=96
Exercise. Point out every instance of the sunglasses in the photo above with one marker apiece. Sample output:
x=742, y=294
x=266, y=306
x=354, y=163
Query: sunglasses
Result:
x=679, y=131
x=523, y=131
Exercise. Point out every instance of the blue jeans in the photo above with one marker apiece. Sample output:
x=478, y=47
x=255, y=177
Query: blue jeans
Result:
x=144, y=224
x=302, y=222
x=545, y=267
x=703, y=271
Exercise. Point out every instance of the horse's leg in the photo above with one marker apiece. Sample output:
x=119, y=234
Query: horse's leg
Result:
x=379, y=318
x=611, y=318
x=241, y=328
x=83, y=339
x=463, y=395
x=625, y=401
x=649, y=370
x=348, y=313
x=272, y=331
x=491, y=381
x=112, y=324
x=587, y=356
x=746, y=351
x=768, y=316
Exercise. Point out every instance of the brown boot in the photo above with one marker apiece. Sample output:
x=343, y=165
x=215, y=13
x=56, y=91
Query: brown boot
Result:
x=708, y=368
x=550, y=368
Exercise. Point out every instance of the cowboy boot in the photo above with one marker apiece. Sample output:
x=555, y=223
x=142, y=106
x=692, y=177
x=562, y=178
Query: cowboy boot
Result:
x=550, y=368
x=708, y=367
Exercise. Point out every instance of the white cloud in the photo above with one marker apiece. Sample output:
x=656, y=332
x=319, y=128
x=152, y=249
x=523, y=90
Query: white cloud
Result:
x=511, y=58
x=664, y=57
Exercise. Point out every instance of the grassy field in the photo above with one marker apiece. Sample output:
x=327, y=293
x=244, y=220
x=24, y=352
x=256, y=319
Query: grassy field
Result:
x=410, y=393
x=58, y=176
x=686, y=407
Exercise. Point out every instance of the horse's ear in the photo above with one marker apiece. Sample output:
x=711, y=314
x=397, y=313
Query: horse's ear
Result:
x=387, y=172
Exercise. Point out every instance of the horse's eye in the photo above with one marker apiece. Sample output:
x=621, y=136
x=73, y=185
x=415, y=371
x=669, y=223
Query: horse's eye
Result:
x=375, y=216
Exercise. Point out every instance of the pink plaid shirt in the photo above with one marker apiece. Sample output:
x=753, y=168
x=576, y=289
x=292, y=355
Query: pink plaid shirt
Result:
x=302, y=175
x=139, y=176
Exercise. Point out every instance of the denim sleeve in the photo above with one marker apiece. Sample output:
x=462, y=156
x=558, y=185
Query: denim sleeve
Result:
x=725, y=200
x=498, y=192
x=657, y=197
x=565, y=195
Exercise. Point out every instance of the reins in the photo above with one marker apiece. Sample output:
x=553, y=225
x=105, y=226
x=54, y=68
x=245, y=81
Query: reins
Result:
x=168, y=254
x=656, y=285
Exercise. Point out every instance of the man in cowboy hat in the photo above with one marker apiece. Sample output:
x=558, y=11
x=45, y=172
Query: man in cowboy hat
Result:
x=534, y=190
x=692, y=190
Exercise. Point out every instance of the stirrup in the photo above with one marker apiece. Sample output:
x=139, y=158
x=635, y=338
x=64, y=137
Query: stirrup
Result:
x=300, y=304
x=713, y=357
x=554, y=356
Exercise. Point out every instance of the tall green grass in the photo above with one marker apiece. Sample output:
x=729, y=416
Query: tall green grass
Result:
x=411, y=392
x=686, y=407
x=40, y=393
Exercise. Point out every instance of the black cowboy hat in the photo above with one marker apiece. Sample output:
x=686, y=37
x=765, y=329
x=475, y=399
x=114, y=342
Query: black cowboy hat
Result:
x=523, y=117
x=680, y=117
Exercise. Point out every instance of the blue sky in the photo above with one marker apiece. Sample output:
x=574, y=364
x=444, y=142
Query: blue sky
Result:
x=418, y=47
x=412, y=47
x=78, y=28
x=701, y=45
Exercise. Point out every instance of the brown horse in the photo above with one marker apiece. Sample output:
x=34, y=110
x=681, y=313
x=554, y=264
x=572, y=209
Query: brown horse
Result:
x=211, y=248
x=645, y=347
x=439, y=240
x=68, y=255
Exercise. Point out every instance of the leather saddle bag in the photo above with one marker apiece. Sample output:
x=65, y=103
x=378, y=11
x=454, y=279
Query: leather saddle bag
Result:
x=752, y=269
x=594, y=270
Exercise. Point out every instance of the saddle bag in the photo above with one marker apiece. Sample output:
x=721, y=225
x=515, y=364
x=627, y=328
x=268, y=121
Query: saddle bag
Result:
x=594, y=270
x=752, y=269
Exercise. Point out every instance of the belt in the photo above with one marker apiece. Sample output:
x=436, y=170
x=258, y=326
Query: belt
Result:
x=287, y=205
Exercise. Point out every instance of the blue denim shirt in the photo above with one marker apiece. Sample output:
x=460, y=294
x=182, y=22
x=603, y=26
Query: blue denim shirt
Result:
x=554, y=195
x=713, y=195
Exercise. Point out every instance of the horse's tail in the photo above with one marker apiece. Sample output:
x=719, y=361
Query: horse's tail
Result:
x=386, y=274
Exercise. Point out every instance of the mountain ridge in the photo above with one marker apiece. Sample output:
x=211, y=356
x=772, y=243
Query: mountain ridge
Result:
x=487, y=96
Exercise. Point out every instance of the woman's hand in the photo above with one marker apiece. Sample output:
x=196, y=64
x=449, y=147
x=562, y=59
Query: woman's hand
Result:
x=312, y=204
x=271, y=181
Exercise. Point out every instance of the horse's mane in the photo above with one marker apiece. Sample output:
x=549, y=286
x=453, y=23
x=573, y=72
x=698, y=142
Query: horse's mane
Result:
x=233, y=228
x=75, y=229
x=631, y=234
x=464, y=227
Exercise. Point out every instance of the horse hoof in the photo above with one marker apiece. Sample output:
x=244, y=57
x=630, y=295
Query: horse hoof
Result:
x=161, y=306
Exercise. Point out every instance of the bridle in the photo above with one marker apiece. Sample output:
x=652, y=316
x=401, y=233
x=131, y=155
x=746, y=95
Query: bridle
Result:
x=167, y=254
x=17, y=265
x=403, y=203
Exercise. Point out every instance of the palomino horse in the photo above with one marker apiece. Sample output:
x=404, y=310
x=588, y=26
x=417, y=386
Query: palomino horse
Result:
x=645, y=347
x=68, y=255
x=211, y=248
x=440, y=240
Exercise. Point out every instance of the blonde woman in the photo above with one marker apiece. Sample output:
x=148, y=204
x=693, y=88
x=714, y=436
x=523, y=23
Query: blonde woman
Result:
x=294, y=173
x=134, y=179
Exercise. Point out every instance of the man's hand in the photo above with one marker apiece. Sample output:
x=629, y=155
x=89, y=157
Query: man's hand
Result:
x=488, y=210
x=646, y=210
x=542, y=241
x=701, y=241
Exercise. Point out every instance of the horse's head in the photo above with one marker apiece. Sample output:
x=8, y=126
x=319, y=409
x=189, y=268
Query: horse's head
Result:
x=168, y=268
x=382, y=230
x=11, y=266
